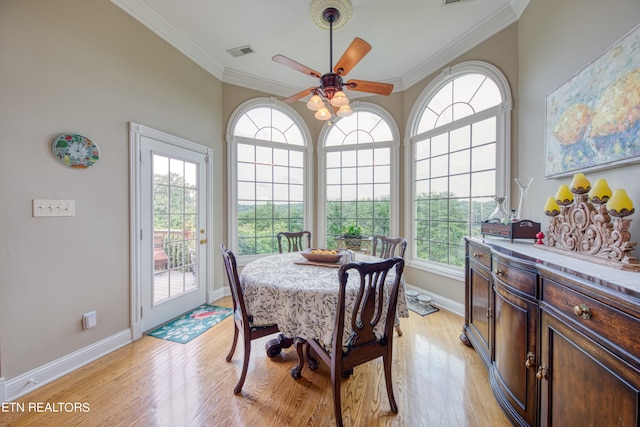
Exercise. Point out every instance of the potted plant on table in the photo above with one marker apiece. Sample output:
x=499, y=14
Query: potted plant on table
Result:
x=352, y=236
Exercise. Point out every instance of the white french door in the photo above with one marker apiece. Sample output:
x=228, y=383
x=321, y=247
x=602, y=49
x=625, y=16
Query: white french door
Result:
x=172, y=257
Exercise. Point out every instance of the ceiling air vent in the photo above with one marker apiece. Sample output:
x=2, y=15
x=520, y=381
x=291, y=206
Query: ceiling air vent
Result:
x=448, y=2
x=241, y=51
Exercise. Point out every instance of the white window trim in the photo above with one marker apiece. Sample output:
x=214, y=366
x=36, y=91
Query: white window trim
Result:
x=232, y=167
x=394, y=145
x=503, y=151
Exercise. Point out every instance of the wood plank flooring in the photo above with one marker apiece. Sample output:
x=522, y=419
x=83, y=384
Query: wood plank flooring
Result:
x=438, y=381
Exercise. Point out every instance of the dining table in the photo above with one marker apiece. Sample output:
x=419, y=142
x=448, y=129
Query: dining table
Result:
x=301, y=297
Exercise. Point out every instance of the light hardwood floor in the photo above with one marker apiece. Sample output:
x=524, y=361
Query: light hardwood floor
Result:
x=438, y=381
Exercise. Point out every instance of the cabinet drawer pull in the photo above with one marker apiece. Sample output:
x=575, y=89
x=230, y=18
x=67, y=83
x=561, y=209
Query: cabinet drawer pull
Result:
x=542, y=372
x=476, y=255
x=499, y=272
x=583, y=311
x=529, y=360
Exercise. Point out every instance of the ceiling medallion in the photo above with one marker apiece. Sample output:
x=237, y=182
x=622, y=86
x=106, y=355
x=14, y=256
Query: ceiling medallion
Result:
x=318, y=7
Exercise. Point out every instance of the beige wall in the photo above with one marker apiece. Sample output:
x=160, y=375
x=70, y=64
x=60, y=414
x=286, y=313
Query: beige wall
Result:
x=89, y=68
x=556, y=40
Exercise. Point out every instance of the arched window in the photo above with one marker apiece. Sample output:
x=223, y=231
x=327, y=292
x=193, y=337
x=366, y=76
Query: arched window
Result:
x=358, y=173
x=458, y=155
x=269, y=176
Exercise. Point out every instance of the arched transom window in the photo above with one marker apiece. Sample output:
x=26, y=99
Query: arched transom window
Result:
x=458, y=159
x=269, y=166
x=359, y=160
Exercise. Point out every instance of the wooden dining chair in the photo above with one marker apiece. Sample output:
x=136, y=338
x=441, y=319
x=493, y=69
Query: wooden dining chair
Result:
x=363, y=345
x=243, y=322
x=295, y=240
x=388, y=247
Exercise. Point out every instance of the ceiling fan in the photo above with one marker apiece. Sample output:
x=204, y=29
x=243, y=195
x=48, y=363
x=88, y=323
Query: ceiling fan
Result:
x=332, y=84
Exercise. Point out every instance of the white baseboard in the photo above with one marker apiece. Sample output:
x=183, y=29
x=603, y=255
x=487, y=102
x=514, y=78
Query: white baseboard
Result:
x=440, y=301
x=218, y=293
x=32, y=380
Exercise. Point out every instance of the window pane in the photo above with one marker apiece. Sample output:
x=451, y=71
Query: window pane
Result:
x=280, y=157
x=296, y=158
x=460, y=138
x=365, y=175
x=460, y=186
x=484, y=131
x=296, y=175
x=333, y=159
x=440, y=166
x=460, y=162
x=280, y=174
x=246, y=153
x=483, y=157
x=440, y=144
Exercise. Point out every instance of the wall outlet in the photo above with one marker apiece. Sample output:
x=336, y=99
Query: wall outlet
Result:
x=89, y=320
x=48, y=207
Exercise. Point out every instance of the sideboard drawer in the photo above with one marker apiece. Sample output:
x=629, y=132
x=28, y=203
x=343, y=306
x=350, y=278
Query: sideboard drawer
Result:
x=608, y=324
x=515, y=277
x=480, y=254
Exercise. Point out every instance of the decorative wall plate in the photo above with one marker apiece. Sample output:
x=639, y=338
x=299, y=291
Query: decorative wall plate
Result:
x=75, y=151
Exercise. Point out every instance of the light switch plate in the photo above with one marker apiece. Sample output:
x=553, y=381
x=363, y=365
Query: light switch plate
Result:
x=48, y=207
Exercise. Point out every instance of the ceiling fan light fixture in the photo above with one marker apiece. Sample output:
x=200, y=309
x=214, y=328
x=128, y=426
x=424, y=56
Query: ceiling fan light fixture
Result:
x=345, y=111
x=339, y=99
x=323, y=114
x=315, y=103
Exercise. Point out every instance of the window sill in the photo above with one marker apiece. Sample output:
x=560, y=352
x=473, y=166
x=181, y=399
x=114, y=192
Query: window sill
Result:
x=455, y=273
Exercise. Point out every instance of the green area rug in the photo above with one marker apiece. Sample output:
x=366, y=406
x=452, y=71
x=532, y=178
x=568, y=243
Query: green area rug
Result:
x=190, y=325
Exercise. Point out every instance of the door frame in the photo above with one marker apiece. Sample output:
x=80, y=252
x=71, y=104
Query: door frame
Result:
x=136, y=133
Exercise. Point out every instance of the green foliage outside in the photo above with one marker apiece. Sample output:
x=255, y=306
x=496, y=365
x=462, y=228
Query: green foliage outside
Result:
x=259, y=225
x=175, y=212
x=441, y=223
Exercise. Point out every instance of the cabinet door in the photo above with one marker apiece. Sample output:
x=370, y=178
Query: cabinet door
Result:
x=582, y=383
x=479, y=311
x=514, y=366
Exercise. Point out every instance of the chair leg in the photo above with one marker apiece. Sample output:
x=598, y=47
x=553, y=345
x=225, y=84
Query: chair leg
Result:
x=336, y=379
x=245, y=365
x=233, y=344
x=399, y=330
x=296, y=372
x=386, y=360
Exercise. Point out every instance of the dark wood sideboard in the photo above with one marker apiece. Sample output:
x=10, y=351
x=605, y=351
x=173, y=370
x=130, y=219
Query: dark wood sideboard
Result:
x=557, y=334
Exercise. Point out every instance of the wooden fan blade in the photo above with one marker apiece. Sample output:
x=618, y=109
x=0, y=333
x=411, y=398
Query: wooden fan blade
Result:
x=299, y=95
x=354, y=53
x=280, y=59
x=371, y=87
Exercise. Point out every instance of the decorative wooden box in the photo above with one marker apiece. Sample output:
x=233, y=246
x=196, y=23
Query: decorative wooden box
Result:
x=524, y=229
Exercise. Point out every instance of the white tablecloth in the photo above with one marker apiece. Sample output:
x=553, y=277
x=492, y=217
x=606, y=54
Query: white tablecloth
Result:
x=301, y=299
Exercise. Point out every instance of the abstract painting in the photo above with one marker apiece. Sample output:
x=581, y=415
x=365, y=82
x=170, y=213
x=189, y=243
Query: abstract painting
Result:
x=593, y=120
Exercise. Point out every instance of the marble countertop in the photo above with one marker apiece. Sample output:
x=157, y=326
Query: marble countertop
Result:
x=627, y=282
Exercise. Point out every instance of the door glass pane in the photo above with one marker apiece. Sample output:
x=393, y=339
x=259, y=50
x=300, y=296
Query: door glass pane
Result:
x=175, y=236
